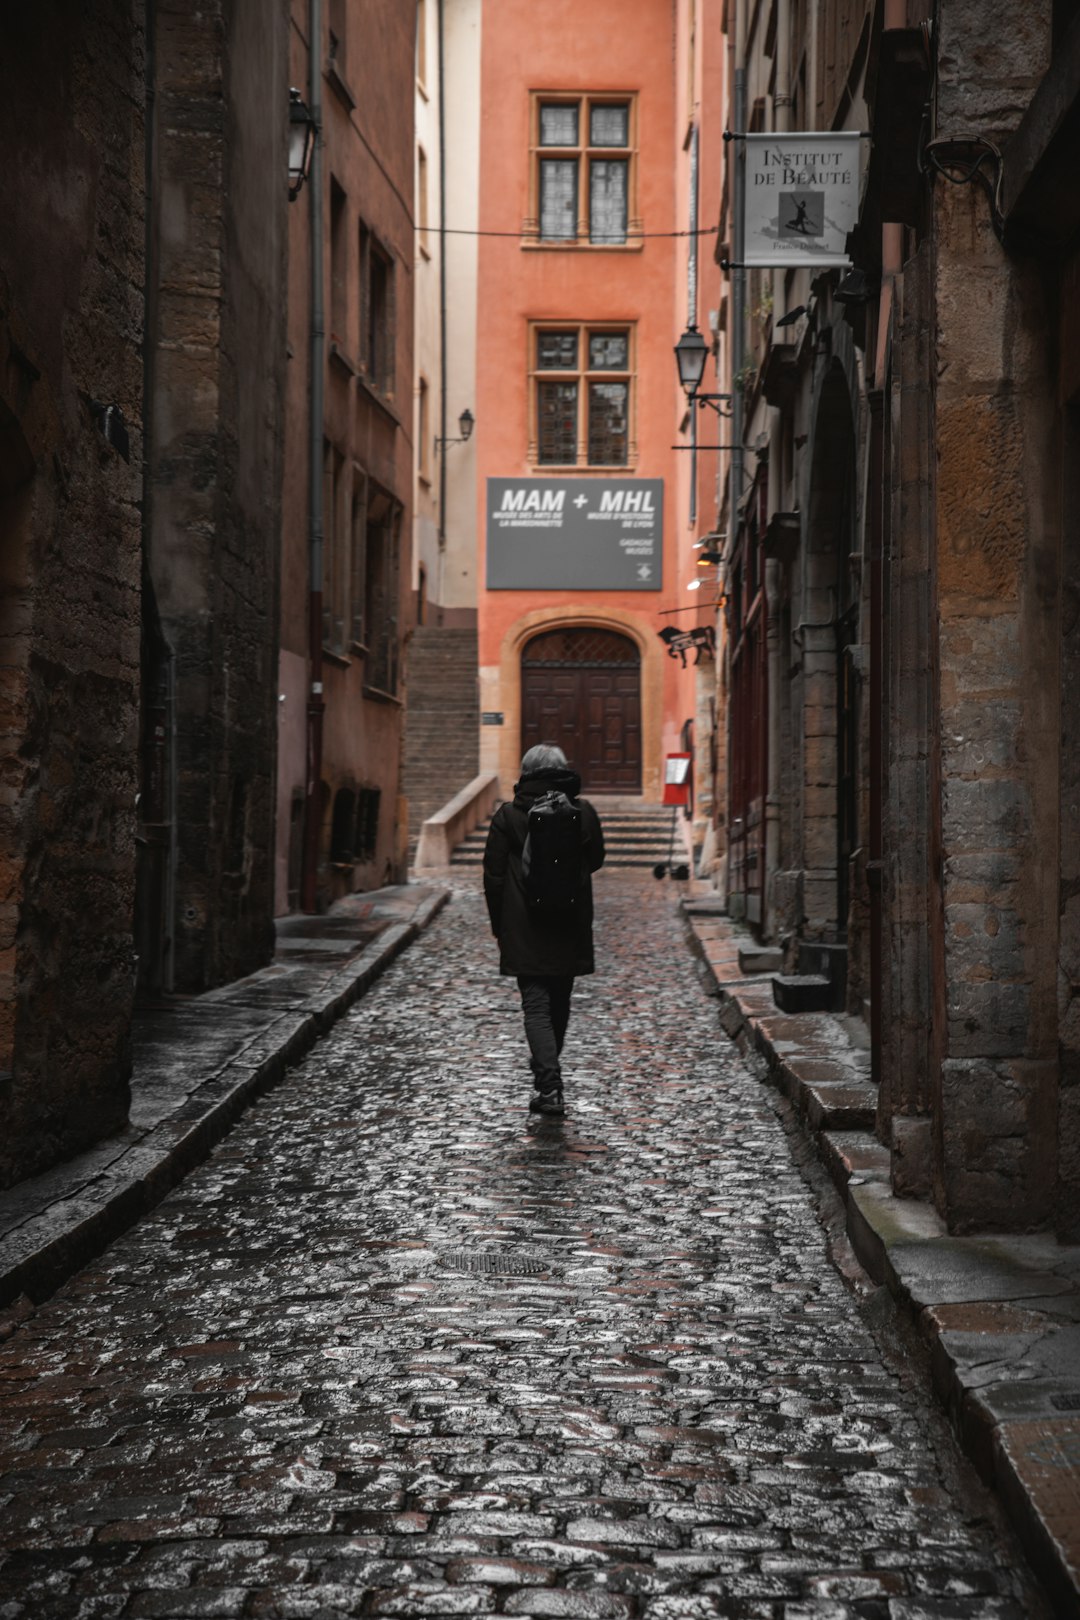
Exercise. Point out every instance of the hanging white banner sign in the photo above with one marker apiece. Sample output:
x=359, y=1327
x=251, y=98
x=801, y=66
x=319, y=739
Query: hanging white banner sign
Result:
x=802, y=198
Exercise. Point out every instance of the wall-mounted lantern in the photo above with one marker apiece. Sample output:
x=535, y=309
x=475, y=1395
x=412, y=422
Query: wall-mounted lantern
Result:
x=691, y=352
x=466, y=423
x=302, y=133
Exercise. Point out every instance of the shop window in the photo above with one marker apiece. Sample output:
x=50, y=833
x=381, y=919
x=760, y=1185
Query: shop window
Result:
x=584, y=170
x=343, y=828
x=367, y=823
x=581, y=395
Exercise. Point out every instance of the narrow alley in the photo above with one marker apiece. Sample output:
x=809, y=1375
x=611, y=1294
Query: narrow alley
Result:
x=398, y=1350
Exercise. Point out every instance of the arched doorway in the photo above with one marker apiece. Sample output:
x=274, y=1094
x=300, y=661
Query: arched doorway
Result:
x=581, y=689
x=830, y=631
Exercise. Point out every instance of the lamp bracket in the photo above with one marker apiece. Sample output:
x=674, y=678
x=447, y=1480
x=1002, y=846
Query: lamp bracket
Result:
x=715, y=402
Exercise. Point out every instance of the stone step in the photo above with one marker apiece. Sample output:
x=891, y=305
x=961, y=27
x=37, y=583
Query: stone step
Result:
x=803, y=992
x=635, y=839
x=636, y=846
x=463, y=856
x=841, y=1105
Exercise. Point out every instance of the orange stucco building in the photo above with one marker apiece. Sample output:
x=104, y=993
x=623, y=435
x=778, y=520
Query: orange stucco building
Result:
x=585, y=520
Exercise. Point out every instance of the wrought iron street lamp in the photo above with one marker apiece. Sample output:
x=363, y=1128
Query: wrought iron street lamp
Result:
x=466, y=422
x=691, y=352
x=302, y=132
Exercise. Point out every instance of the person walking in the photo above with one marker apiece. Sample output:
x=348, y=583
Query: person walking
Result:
x=544, y=949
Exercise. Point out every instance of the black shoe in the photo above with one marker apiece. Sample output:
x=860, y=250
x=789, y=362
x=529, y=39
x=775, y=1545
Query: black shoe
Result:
x=547, y=1102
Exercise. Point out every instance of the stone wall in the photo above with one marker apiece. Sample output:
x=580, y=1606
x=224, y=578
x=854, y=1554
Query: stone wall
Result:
x=1068, y=964
x=71, y=314
x=219, y=208
x=996, y=546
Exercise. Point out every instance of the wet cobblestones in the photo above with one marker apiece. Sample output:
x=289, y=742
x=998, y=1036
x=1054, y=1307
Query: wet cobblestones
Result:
x=398, y=1349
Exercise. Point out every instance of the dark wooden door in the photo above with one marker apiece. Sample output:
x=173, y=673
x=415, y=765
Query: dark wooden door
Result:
x=749, y=712
x=581, y=689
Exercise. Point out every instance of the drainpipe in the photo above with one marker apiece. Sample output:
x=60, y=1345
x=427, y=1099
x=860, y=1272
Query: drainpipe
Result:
x=738, y=274
x=442, y=306
x=309, y=885
x=738, y=347
x=691, y=306
x=782, y=123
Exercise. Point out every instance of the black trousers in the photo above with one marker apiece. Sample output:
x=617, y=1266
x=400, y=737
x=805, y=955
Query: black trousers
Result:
x=546, y=1005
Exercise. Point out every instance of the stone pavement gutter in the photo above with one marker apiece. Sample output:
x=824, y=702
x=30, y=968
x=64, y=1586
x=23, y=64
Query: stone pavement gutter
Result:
x=198, y=1062
x=1000, y=1313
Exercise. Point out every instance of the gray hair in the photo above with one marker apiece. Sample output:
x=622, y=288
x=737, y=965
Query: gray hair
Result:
x=544, y=757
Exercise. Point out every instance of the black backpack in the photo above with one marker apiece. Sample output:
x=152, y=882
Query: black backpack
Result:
x=551, y=863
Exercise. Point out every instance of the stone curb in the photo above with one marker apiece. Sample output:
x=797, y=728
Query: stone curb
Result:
x=46, y=1250
x=1001, y=1315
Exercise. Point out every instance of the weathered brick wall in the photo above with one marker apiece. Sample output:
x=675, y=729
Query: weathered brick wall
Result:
x=71, y=309
x=220, y=212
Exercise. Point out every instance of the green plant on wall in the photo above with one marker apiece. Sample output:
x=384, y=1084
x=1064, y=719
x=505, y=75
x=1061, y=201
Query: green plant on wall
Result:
x=764, y=307
x=744, y=379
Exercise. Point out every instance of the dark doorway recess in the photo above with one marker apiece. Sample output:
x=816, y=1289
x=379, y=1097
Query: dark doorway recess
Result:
x=581, y=689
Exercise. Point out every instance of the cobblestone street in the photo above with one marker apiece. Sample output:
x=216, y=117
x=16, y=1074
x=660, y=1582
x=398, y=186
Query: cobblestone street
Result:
x=398, y=1350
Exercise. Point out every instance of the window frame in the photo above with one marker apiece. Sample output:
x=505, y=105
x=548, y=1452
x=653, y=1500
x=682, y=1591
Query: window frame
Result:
x=382, y=594
x=357, y=604
x=381, y=379
x=584, y=374
x=336, y=503
x=424, y=437
x=422, y=220
x=339, y=311
x=585, y=154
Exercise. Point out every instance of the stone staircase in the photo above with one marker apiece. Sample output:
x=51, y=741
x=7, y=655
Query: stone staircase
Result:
x=442, y=721
x=633, y=838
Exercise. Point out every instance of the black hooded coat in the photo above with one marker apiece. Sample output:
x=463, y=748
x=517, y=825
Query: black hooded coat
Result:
x=530, y=944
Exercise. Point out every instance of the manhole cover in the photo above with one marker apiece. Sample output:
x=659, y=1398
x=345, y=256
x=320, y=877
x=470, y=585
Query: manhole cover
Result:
x=494, y=1261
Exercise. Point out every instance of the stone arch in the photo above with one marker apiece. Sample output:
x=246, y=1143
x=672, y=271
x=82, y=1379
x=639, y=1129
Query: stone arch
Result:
x=505, y=757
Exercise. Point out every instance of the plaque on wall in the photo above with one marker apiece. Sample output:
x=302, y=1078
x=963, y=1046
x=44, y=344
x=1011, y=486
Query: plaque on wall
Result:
x=575, y=534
